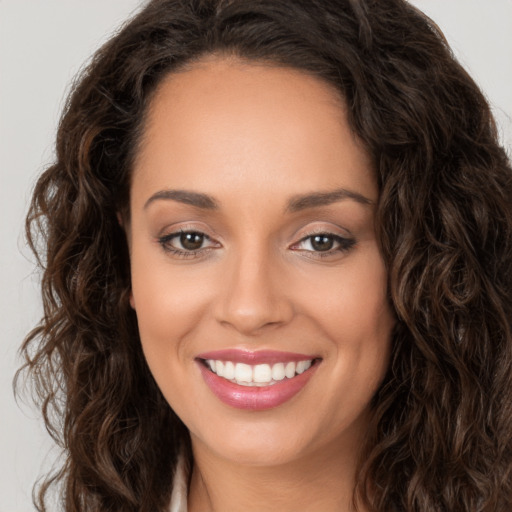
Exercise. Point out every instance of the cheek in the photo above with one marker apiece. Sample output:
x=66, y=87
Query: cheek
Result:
x=352, y=303
x=357, y=319
x=169, y=302
x=169, y=308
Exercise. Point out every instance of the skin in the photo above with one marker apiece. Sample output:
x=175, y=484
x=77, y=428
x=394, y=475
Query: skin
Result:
x=255, y=137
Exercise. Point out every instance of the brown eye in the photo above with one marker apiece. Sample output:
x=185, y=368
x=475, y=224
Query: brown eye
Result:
x=191, y=241
x=187, y=243
x=322, y=243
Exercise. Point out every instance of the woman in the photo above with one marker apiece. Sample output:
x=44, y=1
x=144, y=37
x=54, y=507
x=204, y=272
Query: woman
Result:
x=277, y=267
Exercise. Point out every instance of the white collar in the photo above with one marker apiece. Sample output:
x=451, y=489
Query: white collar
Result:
x=180, y=486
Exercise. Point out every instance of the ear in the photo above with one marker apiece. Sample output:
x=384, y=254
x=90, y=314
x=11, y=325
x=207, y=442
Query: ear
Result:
x=120, y=219
x=132, y=300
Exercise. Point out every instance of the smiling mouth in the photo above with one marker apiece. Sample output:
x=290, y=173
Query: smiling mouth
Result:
x=258, y=375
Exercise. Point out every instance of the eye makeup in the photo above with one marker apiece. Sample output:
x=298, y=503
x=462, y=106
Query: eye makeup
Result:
x=187, y=243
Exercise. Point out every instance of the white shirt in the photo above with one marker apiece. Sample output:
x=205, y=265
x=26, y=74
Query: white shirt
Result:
x=180, y=486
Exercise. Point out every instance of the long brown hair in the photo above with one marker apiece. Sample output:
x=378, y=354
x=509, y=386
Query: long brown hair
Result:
x=441, y=434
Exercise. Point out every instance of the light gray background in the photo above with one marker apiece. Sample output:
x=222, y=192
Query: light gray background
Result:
x=43, y=44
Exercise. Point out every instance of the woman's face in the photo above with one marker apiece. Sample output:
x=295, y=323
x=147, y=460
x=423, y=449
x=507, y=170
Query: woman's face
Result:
x=253, y=252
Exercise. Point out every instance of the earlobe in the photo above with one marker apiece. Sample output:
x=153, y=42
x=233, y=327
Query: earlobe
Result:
x=132, y=300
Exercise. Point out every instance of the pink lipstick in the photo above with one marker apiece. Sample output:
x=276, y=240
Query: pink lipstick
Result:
x=256, y=380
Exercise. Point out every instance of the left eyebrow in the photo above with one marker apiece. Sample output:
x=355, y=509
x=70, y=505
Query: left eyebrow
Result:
x=315, y=199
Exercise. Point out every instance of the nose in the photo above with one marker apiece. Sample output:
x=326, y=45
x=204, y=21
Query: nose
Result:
x=253, y=295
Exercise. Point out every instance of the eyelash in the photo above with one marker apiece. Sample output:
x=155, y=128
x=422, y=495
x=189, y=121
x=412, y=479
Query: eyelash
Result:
x=165, y=242
x=344, y=244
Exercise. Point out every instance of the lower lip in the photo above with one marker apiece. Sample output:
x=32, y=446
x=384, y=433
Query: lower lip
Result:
x=255, y=398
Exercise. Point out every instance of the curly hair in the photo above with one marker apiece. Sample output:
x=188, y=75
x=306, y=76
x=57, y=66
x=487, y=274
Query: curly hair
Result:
x=440, y=438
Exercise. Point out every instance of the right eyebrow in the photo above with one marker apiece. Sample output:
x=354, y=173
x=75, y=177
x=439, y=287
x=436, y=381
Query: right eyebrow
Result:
x=196, y=199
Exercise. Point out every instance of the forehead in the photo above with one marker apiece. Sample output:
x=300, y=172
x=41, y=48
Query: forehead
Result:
x=248, y=126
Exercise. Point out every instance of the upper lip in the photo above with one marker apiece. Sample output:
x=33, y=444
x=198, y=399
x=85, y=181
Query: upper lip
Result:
x=254, y=357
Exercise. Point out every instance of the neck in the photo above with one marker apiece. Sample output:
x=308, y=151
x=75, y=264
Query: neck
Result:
x=323, y=480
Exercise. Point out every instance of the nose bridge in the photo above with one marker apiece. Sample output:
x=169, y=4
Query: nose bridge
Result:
x=252, y=296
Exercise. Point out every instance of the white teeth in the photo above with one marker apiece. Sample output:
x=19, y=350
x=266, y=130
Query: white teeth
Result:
x=262, y=373
x=257, y=375
x=302, y=366
x=289, y=370
x=229, y=370
x=243, y=372
x=278, y=371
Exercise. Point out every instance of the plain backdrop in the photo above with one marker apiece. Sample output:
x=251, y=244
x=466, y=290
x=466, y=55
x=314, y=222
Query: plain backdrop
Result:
x=43, y=44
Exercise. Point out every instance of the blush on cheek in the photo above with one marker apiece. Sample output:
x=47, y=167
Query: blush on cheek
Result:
x=168, y=313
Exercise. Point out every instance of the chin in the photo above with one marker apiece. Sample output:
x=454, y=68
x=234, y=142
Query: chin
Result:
x=260, y=451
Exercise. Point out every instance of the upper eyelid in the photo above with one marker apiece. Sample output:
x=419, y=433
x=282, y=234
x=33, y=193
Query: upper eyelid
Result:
x=338, y=238
x=325, y=231
x=322, y=232
x=173, y=230
x=324, y=226
x=177, y=234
